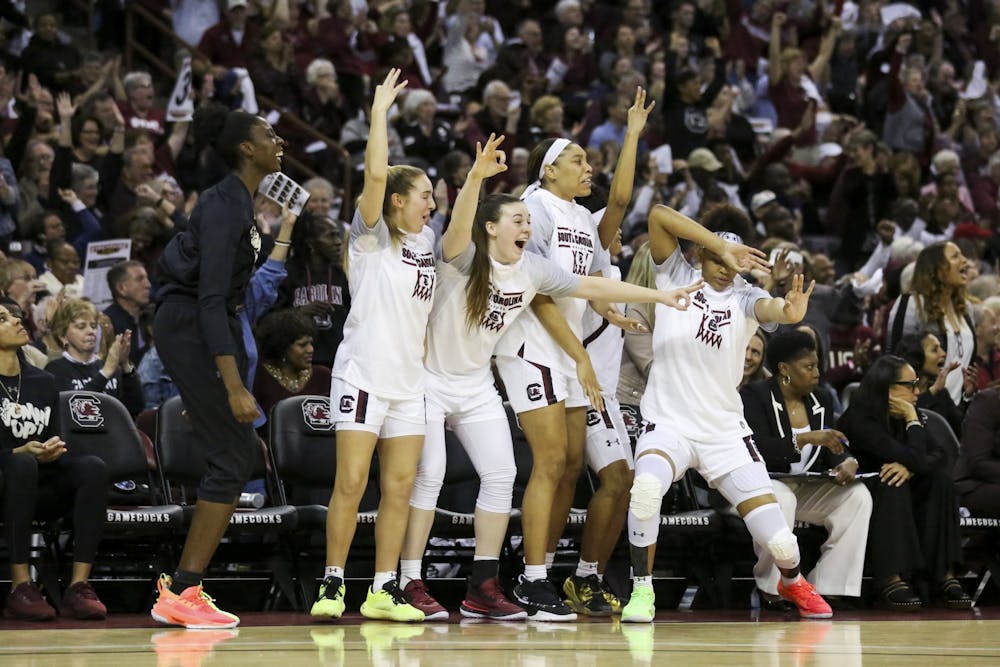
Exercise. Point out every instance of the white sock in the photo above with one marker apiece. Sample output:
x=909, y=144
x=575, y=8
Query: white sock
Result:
x=534, y=572
x=600, y=577
x=550, y=557
x=788, y=582
x=646, y=582
x=408, y=571
x=585, y=568
x=333, y=571
x=381, y=579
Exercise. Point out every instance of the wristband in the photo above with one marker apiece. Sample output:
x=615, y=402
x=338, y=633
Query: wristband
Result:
x=283, y=244
x=915, y=422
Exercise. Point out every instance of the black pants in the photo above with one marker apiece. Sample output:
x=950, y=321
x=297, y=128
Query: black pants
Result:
x=914, y=527
x=230, y=447
x=73, y=486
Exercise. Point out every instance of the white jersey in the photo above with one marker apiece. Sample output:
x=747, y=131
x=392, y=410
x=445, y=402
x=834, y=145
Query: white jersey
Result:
x=457, y=353
x=392, y=290
x=566, y=233
x=604, y=341
x=698, y=357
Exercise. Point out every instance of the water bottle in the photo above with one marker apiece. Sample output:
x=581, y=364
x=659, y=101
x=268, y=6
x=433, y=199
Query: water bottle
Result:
x=252, y=500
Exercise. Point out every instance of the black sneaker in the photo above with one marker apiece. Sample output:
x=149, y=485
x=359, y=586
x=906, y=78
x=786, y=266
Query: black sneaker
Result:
x=541, y=601
x=584, y=596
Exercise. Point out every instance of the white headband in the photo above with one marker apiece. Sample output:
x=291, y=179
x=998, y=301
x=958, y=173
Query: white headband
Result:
x=551, y=155
x=731, y=237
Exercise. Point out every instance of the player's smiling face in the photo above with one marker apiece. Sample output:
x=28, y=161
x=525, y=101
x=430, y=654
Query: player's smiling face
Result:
x=510, y=234
x=716, y=274
x=569, y=176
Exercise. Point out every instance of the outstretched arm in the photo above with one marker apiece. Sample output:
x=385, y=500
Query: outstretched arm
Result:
x=788, y=310
x=377, y=151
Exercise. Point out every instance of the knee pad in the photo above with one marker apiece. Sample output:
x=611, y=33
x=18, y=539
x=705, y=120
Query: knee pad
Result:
x=784, y=548
x=646, y=496
x=496, y=491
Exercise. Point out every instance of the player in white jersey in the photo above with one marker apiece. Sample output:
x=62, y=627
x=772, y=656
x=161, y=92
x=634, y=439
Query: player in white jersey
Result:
x=608, y=452
x=693, y=412
x=486, y=281
x=541, y=379
x=377, y=390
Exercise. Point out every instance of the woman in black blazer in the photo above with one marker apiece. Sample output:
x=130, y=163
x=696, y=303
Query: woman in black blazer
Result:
x=915, y=523
x=791, y=418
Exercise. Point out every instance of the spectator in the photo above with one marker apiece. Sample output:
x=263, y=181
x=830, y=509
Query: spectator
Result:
x=925, y=355
x=286, y=368
x=754, y=369
x=42, y=480
x=500, y=115
x=316, y=285
x=130, y=288
x=54, y=63
x=44, y=226
x=939, y=304
x=791, y=418
x=272, y=69
x=8, y=202
x=469, y=49
x=977, y=472
x=322, y=102
x=914, y=527
x=63, y=275
x=424, y=135
x=81, y=366
x=138, y=109
x=230, y=42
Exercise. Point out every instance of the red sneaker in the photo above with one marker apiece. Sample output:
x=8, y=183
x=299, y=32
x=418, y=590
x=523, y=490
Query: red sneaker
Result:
x=489, y=601
x=26, y=603
x=81, y=602
x=802, y=594
x=193, y=608
x=417, y=595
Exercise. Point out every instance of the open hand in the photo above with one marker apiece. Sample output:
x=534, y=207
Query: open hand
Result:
x=744, y=259
x=797, y=300
x=386, y=92
x=630, y=324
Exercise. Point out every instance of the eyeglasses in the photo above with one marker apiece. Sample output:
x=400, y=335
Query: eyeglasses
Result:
x=912, y=384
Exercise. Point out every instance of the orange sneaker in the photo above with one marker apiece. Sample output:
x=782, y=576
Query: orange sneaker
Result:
x=193, y=608
x=802, y=594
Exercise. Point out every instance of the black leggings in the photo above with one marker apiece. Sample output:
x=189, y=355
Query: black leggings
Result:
x=75, y=486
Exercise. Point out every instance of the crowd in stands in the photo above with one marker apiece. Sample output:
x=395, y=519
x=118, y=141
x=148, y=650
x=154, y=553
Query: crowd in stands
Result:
x=860, y=138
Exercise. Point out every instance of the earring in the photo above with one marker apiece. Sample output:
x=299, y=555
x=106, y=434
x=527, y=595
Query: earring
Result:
x=786, y=380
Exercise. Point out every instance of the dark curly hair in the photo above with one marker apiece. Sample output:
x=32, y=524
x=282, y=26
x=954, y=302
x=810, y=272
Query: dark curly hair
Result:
x=279, y=329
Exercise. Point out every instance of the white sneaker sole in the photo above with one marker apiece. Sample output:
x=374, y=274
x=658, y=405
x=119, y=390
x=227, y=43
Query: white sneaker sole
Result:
x=189, y=626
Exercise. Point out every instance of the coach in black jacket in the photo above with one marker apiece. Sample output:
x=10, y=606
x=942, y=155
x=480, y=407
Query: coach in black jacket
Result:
x=791, y=421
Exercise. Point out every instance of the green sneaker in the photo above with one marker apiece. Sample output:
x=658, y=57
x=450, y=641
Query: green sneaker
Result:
x=389, y=604
x=642, y=607
x=330, y=601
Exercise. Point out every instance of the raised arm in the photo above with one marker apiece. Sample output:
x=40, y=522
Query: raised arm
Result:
x=620, y=194
x=377, y=151
x=774, y=50
x=666, y=226
x=489, y=162
x=818, y=69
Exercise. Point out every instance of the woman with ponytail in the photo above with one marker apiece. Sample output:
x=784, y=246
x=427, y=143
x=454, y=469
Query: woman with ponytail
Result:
x=377, y=391
x=205, y=272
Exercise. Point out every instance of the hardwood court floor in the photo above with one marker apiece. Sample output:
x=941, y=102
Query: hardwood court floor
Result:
x=716, y=638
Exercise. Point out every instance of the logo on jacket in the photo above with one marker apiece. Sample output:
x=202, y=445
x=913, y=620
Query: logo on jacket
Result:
x=500, y=303
x=712, y=321
x=316, y=414
x=85, y=411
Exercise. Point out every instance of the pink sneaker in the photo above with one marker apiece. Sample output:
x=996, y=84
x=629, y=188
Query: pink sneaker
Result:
x=802, y=594
x=416, y=594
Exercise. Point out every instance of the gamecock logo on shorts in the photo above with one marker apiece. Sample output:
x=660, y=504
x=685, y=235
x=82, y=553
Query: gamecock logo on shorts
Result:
x=534, y=391
x=316, y=413
x=85, y=410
